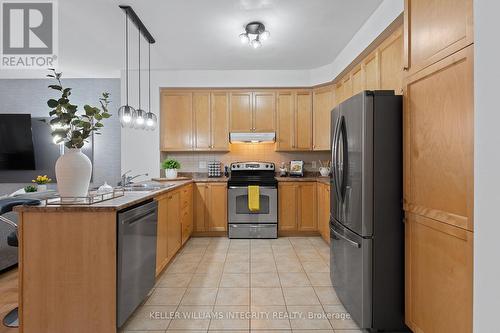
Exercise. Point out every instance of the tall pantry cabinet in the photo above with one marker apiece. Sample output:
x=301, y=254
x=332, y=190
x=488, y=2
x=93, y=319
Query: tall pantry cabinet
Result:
x=438, y=164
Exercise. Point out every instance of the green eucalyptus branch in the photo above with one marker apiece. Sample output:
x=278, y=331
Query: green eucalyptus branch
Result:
x=68, y=126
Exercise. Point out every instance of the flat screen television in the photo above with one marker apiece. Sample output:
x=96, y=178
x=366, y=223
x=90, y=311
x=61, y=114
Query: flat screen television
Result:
x=46, y=154
x=16, y=142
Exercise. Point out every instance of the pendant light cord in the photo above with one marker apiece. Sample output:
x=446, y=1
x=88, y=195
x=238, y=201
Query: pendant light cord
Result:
x=126, y=55
x=139, y=40
x=149, y=77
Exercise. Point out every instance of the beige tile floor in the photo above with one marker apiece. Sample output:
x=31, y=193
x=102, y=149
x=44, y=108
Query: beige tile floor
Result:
x=223, y=285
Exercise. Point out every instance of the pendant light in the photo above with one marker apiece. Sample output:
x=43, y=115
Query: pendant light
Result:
x=126, y=113
x=151, y=119
x=140, y=119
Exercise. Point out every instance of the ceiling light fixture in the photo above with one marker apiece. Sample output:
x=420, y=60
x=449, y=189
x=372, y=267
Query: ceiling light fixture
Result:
x=129, y=117
x=255, y=32
x=126, y=113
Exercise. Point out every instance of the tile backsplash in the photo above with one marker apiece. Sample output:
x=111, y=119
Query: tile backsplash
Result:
x=197, y=161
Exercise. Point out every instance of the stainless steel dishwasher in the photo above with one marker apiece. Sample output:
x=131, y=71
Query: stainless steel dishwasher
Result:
x=136, y=257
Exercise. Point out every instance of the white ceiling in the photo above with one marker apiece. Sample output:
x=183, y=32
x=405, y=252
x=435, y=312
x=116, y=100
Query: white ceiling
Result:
x=203, y=34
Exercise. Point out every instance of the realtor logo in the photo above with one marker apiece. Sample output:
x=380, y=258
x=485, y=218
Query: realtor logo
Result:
x=28, y=34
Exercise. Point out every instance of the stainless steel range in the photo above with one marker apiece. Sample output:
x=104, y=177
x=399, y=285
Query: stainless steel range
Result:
x=244, y=223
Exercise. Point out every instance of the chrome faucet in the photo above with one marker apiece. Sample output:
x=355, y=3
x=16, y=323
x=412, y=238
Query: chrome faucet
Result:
x=127, y=180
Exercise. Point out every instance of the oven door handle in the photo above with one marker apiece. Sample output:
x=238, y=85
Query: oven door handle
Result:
x=245, y=187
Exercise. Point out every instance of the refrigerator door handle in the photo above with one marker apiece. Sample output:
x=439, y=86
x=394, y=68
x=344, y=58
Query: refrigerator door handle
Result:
x=345, y=165
x=350, y=242
x=335, y=162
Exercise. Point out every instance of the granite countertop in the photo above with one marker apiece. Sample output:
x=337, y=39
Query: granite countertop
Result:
x=324, y=180
x=129, y=199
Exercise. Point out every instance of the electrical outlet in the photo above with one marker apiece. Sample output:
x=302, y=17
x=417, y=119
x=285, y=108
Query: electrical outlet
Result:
x=313, y=164
x=202, y=165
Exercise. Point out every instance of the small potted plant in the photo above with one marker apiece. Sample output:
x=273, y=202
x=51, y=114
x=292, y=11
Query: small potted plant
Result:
x=171, y=167
x=30, y=189
x=41, y=182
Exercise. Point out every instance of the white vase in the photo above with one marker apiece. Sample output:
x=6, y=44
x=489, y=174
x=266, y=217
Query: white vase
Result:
x=171, y=173
x=73, y=173
x=41, y=188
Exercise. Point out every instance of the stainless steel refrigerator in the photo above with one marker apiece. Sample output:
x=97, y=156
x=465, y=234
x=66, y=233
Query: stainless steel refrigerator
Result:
x=366, y=216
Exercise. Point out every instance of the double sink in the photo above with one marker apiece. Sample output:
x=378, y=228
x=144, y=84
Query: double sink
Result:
x=146, y=187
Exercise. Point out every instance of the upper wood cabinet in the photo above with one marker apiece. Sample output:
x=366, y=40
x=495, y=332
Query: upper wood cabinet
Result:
x=435, y=30
x=303, y=120
x=323, y=103
x=438, y=273
x=294, y=113
x=390, y=57
x=176, y=121
x=264, y=111
x=241, y=112
x=357, y=80
x=202, y=120
x=219, y=121
x=253, y=111
x=439, y=141
x=285, y=114
x=194, y=120
x=371, y=80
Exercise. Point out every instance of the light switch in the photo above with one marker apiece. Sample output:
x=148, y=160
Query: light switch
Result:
x=202, y=165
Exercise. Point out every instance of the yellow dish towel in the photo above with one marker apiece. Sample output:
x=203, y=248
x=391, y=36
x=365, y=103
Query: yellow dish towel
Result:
x=253, y=198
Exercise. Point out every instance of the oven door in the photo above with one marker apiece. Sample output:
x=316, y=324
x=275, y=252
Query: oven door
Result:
x=237, y=203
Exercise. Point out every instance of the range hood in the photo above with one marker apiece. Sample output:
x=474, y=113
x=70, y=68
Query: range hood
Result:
x=251, y=137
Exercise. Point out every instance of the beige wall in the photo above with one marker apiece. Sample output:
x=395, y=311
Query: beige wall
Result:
x=246, y=152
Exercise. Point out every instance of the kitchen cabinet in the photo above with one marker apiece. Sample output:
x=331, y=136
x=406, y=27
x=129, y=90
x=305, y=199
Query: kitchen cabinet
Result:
x=438, y=276
x=324, y=211
x=357, y=80
x=297, y=206
x=252, y=111
x=307, y=209
x=174, y=225
x=186, y=212
x=176, y=121
x=287, y=206
x=371, y=72
x=202, y=124
x=161, y=235
x=174, y=232
x=294, y=129
x=241, y=112
x=390, y=54
x=217, y=208
x=439, y=141
x=219, y=121
x=210, y=207
x=323, y=103
x=303, y=120
x=264, y=111
x=285, y=114
x=434, y=30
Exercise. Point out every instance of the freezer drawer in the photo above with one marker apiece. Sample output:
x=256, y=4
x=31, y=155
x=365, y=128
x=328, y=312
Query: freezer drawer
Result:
x=253, y=231
x=351, y=272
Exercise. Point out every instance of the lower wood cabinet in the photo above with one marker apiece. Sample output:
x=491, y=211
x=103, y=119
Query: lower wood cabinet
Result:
x=324, y=211
x=210, y=207
x=174, y=225
x=186, y=212
x=438, y=259
x=297, y=206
